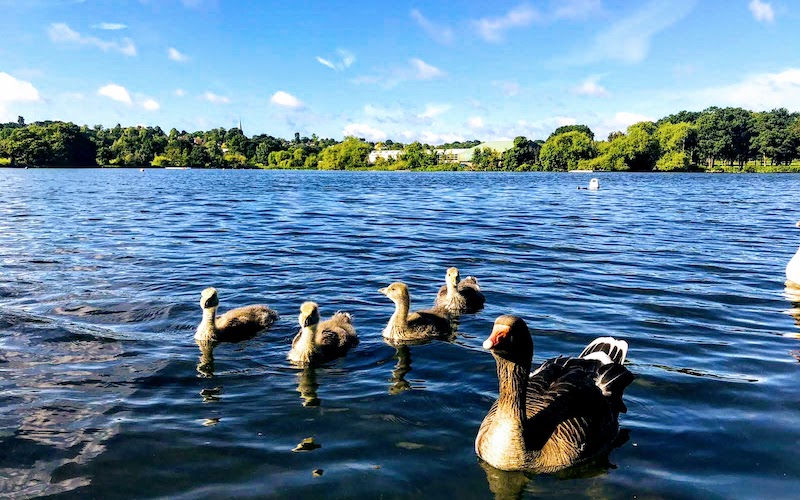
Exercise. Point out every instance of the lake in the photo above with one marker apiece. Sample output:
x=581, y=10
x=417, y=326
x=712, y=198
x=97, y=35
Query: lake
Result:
x=100, y=279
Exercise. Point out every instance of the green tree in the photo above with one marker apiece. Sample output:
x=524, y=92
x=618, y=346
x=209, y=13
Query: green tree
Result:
x=350, y=154
x=564, y=151
x=573, y=128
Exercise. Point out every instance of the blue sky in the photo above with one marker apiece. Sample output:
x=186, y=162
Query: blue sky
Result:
x=430, y=71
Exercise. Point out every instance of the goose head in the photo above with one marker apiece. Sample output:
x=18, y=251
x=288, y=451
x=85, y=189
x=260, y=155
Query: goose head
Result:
x=309, y=315
x=209, y=298
x=452, y=277
x=510, y=340
x=397, y=291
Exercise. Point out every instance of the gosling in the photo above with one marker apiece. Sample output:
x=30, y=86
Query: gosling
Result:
x=320, y=342
x=458, y=296
x=235, y=325
x=417, y=326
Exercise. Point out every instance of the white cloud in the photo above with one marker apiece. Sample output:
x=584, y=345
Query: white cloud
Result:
x=430, y=137
x=63, y=34
x=493, y=29
x=179, y=92
x=151, y=105
x=762, y=11
x=590, y=87
x=475, y=122
x=365, y=131
x=560, y=121
x=425, y=71
x=110, y=26
x=175, y=55
x=440, y=33
x=346, y=59
x=434, y=110
x=14, y=90
x=417, y=69
x=628, y=40
x=382, y=114
x=116, y=92
x=626, y=119
x=757, y=92
x=286, y=100
x=215, y=98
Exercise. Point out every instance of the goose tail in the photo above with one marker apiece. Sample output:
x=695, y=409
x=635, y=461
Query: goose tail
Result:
x=614, y=350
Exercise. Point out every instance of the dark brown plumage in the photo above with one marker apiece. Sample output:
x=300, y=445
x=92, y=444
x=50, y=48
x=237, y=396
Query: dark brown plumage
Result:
x=320, y=342
x=235, y=325
x=416, y=326
x=563, y=414
x=460, y=297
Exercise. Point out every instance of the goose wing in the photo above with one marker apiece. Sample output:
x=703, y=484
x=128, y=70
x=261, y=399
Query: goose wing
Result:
x=568, y=417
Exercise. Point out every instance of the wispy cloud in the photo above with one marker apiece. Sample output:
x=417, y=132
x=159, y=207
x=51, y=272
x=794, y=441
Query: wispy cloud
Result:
x=63, y=34
x=762, y=11
x=176, y=55
x=179, y=92
x=438, y=32
x=756, y=92
x=286, y=100
x=344, y=61
x=434, y=110
x=591, y=87
x=629, y=39
x=215, y=98
x=508, y=88
x=109, y=26
x=364, y=130
x=417, y=69
x=575, y=9
x=115, y=92
x=475, y=122
x=493, y=29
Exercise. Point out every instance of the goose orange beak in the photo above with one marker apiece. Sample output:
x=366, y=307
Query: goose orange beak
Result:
x=499, y=332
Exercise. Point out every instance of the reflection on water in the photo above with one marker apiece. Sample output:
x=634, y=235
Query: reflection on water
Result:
x=398, y=382
x=307, y=386
x=101, y=385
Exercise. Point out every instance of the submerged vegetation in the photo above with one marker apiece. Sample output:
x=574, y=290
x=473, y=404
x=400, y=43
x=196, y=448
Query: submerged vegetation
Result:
x=715, y=139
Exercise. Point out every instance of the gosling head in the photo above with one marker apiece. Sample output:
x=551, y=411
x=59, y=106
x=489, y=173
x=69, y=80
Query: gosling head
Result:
x=208, y=298
x=452, y=276
x=510, y=339
x=397, y=291
x=309, y=315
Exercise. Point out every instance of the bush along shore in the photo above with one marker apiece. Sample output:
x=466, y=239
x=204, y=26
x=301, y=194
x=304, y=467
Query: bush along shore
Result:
x=712, y=140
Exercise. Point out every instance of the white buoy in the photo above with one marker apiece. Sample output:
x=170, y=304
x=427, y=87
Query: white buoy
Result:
x=594, y=184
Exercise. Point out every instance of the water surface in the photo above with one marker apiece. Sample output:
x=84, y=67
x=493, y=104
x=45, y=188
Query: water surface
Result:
x=100, y=274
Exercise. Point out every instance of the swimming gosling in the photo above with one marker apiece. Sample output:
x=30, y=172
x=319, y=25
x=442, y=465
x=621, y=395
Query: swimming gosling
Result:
x=320, y=342
x=237, y=324
x=460, y=296
x=416, y=326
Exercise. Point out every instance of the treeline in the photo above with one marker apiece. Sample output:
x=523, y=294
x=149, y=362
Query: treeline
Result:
x=712, y=139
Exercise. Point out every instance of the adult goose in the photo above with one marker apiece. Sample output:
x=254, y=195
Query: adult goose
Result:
x=237, y=324
x=562, y=414
x=320, y=342
x=459, y=296
x=417, y=326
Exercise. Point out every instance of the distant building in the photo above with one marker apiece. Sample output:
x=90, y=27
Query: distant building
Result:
x=465, y=157
x=456, y=155
x=384, y=153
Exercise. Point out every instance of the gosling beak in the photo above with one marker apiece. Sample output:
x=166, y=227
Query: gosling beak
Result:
x=383, y=290
x=498, y=333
